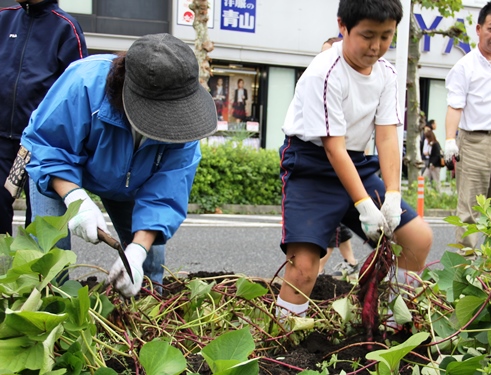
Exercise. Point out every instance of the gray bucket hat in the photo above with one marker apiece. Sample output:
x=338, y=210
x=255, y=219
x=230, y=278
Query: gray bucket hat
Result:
x=162, y=96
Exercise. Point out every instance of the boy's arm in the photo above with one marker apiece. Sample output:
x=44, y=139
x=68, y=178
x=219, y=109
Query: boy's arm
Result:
x=387, y=143
x=371, y=218
x=335, y=148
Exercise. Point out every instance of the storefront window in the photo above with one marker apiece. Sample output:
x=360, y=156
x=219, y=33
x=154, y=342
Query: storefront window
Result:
x=235, y=92
x=79, y=6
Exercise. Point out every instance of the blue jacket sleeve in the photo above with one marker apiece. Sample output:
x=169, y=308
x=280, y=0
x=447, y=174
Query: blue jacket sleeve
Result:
x=161, y=203
x=57, y=130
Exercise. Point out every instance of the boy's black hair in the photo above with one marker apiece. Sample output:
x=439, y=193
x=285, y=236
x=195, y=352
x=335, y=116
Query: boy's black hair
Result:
x=483, y=13
x=351, y=12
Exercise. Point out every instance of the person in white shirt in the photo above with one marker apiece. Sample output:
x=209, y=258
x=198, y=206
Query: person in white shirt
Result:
x=345, y=94
x=469, y=113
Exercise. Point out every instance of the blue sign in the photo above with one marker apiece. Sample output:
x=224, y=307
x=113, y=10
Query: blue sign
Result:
x=238, y=15
x=465, y=47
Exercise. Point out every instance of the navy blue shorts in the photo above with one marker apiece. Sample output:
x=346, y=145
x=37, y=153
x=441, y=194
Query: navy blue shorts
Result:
x=314, y=201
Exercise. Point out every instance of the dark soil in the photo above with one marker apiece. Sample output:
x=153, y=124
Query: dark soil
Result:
x=318, y=347
x=314, y=349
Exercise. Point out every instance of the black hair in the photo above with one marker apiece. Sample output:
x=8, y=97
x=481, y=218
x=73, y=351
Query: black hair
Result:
x=483, y=13
x=430, y=123
x=115, y=81
x=351, y=12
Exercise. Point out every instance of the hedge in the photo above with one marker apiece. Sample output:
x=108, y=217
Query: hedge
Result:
x=236, y=174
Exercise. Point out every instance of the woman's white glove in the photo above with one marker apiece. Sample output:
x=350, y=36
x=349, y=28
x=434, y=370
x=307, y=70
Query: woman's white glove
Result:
x=372, y=220
x=451, y=150
x=118, y=276
x=391, y=209
x=88, y=218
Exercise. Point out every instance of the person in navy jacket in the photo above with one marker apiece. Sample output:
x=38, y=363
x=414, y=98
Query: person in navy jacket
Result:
x=125, y=127
x=38, y=40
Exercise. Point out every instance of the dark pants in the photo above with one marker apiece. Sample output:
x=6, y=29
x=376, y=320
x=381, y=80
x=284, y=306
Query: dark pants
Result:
x=8, y=151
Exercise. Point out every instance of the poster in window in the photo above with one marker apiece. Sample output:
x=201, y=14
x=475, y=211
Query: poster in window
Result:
x=240, y=103
x=219, y=91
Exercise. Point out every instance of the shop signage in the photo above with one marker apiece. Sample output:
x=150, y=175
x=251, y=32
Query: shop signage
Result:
x=435, y=25
x=238, y=15
x=185, y=16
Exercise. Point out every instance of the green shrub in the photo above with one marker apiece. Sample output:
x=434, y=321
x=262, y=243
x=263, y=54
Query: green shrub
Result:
x=231, y=174
x=234, y=174
x=446, y=199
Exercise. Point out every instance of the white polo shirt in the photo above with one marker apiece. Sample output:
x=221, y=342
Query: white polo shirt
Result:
x=333, y=99
x=469, y=87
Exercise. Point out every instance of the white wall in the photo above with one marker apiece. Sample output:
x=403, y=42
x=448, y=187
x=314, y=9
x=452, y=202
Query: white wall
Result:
x=289, y=33
x=280, y=93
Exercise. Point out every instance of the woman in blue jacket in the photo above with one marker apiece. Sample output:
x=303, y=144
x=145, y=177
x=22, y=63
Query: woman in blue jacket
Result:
x=125, y=128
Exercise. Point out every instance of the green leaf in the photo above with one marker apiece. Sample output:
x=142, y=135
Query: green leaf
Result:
x=452, y=275
x=466, y=367
x=249, y=290
x=199, y=288
x=442, y=327
x=72, y=361
x=105, y=371
x=19, y=353
x=33, y=302
x=160, y=358
x=467, y=307
x=391, y=357
x=52, y=263
x=34, y=324
x=245, y=368
x=228, y=350
x=343, y=308
x=402, y=314
x=24, y=241
x=78, y=309
x=71, y=287
x=50, y=229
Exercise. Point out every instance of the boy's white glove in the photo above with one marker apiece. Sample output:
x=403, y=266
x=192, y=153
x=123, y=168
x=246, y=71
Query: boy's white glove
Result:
x=391, y=209
x=88, y=218
x=118, y=276
x=451, y=149
x=372, y=220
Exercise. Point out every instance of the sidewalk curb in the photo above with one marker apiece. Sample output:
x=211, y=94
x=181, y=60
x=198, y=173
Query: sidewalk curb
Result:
x=20, y=205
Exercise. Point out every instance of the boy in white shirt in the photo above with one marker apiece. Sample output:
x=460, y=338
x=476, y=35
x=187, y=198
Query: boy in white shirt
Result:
x=345, y=93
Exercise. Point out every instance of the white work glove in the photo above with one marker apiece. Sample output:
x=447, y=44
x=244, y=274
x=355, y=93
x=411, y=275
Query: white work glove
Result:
x=451, y=149
x=391, y=209
x=118, y=276
x=372, y=220
x=88, y=218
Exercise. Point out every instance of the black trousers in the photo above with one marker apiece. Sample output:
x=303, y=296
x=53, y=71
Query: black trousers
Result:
x=8, y=151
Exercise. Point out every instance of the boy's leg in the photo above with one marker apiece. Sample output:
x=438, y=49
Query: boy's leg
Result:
x=347, y=252
x=325, y=258
x=301, y=272
x=416, y=238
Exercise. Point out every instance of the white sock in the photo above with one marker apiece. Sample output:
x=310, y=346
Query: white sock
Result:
x=285, y=309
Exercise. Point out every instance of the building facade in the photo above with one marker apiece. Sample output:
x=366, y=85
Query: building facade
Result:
x=265, y=44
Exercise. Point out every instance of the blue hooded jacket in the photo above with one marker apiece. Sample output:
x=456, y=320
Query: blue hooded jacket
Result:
x=37, y=43
x=77, y=135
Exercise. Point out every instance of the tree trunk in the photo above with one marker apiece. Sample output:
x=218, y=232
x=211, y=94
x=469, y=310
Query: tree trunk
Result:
x=202, y=44
x=414, y=116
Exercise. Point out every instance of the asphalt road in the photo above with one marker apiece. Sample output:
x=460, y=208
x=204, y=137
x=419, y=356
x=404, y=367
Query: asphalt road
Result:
x=240, y=244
